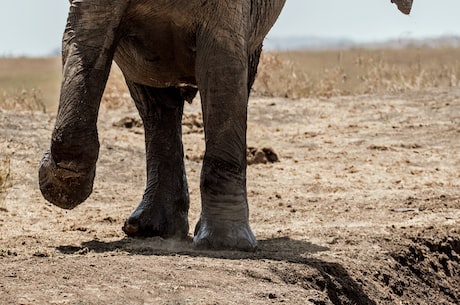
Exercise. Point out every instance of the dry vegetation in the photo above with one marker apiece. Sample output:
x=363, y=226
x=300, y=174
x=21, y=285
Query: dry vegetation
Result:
x=29, y=83
x=313, y=74
x=33, y=84
x=355, y=72
x=4, y=179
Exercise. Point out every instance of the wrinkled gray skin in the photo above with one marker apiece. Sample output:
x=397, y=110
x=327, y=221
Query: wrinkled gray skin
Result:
x=404, y=6
x=167, y=50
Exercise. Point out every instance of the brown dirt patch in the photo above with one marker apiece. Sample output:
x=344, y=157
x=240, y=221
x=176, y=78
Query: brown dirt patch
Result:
x=363, y=208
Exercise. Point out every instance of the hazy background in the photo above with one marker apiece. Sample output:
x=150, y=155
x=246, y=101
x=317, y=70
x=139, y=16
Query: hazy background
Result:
x=34, y=28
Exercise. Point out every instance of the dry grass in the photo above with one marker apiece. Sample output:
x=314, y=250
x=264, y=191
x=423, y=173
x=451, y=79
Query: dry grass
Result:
x=304, y=74
x=116, y=92
x=352, y=72
x=33, y=84
x=23, y=100
x=29, y=83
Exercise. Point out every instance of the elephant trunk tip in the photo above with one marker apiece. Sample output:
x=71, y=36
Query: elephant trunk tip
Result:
x=404, y=6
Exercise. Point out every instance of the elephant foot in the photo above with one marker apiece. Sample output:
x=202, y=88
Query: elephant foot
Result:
x=152, y=220
x=224, y=236
x=64, y=184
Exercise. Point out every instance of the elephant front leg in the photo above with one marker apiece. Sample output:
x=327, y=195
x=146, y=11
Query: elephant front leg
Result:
x=67, y=170
x=223, y=83
x=163, y=210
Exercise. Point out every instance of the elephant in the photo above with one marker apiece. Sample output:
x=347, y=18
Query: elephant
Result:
x=167, y=50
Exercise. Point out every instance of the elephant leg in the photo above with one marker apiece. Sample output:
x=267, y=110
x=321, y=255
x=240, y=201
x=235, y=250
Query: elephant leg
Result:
x=67, y=170
x=223, y=82
x=163, y=210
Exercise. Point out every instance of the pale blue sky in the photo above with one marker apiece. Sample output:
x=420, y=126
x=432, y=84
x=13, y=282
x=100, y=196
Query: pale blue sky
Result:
x=34, y=27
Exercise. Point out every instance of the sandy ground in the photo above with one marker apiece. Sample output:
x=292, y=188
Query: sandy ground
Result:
x=363, y=208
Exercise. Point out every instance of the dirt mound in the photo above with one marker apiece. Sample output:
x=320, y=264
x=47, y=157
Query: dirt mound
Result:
x=431, y=267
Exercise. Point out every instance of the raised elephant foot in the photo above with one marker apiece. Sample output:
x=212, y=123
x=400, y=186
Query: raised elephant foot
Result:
x=155, y=220
x=64, y=184
x=224, y=236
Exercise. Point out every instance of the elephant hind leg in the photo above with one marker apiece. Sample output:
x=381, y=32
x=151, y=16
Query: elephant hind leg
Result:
x=163, y=210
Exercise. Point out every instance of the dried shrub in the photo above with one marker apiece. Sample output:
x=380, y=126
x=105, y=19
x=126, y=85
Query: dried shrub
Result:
x=380, y=76
x=23, y=100
x=279, y=77
x=5, y=172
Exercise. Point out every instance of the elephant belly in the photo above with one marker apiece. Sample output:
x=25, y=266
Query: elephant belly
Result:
x=156, y=52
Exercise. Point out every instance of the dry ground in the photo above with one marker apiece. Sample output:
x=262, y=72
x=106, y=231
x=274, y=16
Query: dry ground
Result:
x=363, y=208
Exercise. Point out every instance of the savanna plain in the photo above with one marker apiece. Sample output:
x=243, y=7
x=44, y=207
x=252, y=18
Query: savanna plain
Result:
x=361, y=207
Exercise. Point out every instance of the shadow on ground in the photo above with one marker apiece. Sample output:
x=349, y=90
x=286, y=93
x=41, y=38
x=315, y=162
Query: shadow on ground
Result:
x=300, y=270
x=279, y=249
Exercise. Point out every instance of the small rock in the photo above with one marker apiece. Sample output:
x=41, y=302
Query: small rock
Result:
x=261, y=156
x=128, y=122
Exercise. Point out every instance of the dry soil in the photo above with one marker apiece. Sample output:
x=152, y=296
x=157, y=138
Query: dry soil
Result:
x=363, y=207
